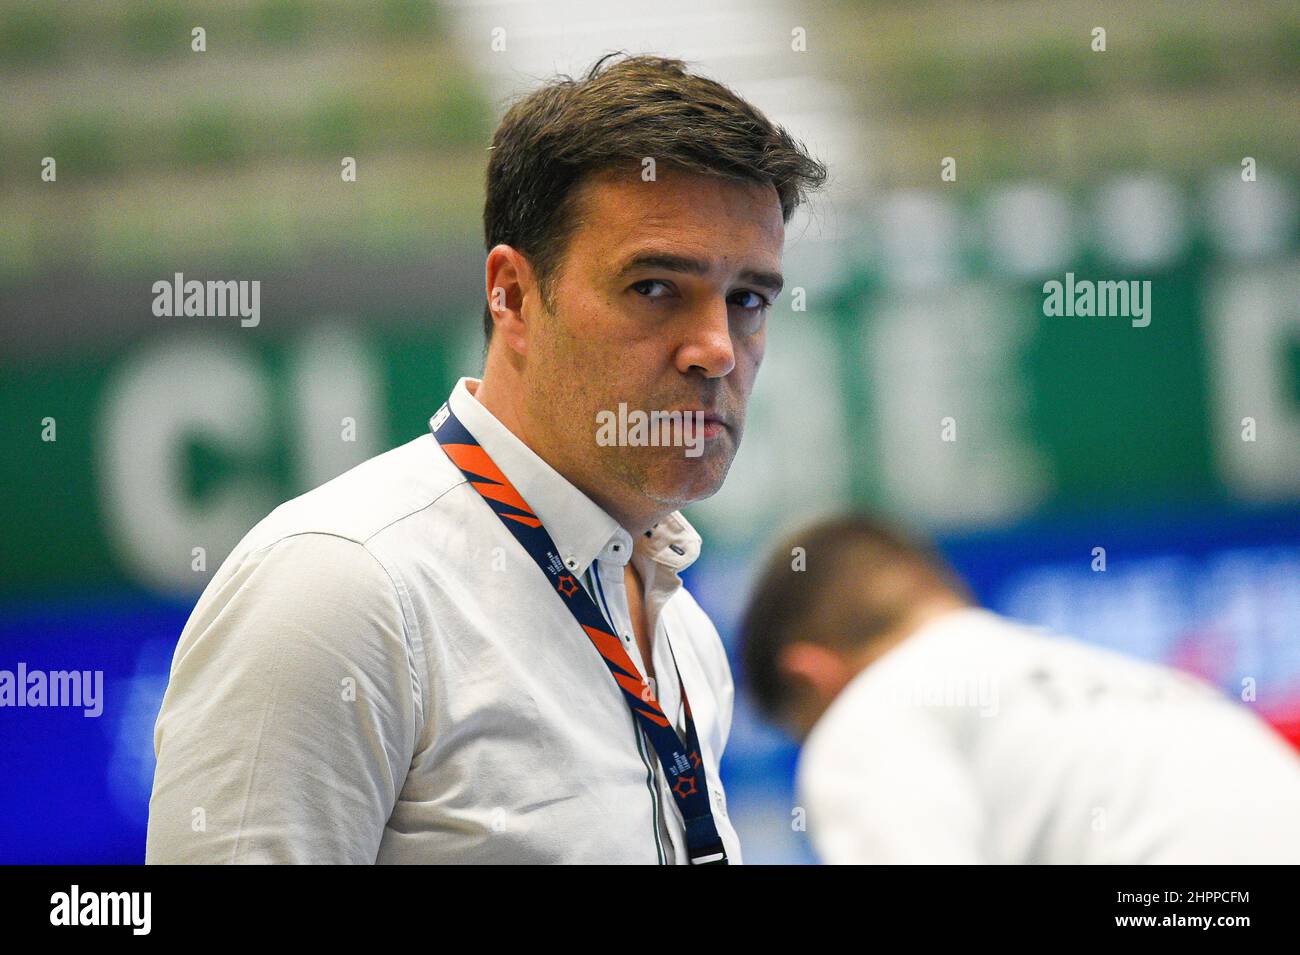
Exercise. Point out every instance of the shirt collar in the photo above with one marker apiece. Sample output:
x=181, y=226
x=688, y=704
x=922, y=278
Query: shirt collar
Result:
x=582, y=530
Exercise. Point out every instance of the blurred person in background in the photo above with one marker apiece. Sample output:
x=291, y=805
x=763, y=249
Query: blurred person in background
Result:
x=935, y=731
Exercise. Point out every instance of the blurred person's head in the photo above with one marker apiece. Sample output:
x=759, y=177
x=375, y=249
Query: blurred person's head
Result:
x=634, y=224
x=830, y=601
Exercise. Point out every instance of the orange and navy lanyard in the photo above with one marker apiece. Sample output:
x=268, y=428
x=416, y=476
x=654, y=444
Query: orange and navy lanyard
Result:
x=681, y=762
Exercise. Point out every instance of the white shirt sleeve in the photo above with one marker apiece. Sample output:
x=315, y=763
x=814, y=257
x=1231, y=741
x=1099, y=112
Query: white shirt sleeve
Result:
x=291, y=715
x=886, y=785
x=724, y=689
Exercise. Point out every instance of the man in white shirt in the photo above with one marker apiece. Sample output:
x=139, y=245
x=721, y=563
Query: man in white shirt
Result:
x=938, y=732
x=380, y=672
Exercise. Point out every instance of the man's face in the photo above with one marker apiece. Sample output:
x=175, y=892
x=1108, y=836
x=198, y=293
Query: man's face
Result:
x=660, y=304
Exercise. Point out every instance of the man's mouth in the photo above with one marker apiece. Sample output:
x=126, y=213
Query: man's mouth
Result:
x=714, y=423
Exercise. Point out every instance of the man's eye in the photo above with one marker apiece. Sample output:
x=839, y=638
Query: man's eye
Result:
x=749, y=301
x=646, y=284
x=757, y=301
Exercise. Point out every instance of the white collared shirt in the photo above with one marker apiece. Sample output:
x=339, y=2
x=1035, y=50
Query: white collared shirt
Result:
x=380, y=673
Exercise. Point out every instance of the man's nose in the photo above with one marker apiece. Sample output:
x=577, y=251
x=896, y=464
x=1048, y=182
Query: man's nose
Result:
x=707, y=344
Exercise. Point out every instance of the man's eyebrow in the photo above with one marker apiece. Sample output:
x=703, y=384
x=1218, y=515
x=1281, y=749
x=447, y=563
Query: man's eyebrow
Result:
x=671, y=262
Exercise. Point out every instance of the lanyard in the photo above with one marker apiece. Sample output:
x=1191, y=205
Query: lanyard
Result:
x=681, y=762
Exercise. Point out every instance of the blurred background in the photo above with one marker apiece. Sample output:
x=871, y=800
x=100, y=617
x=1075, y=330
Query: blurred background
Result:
x=1169, y=157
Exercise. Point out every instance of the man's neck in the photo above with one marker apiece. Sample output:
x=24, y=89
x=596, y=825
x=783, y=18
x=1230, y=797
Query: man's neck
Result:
x=498, y=402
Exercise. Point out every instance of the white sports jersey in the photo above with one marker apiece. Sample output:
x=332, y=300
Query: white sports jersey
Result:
x=979, y=740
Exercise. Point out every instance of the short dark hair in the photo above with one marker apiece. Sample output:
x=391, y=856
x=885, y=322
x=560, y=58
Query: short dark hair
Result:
x=621, y=112
x=862, y=578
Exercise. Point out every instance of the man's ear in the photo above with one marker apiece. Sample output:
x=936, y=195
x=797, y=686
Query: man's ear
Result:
x=510, y=280
x=817, y=670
